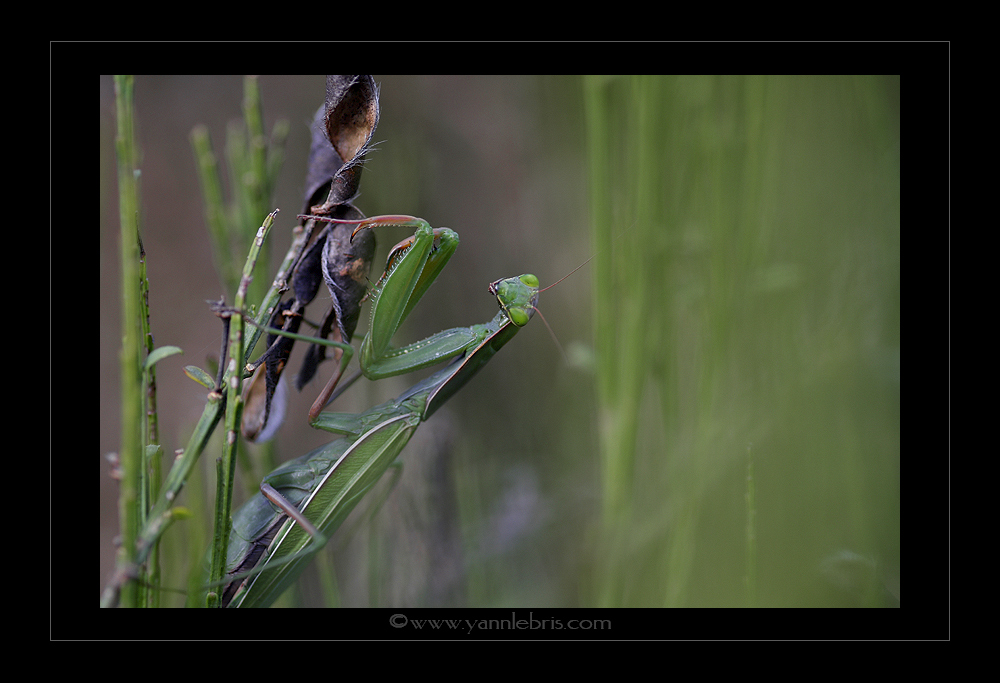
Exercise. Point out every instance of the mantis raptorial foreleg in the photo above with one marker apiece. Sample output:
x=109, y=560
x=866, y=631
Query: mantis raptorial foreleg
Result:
x=411, y=268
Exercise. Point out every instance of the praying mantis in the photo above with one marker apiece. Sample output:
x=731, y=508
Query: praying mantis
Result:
x=302, y=502
x=470, y=347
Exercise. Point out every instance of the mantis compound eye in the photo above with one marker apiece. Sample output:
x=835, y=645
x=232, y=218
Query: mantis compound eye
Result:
x=518, y=316
x=517, y=297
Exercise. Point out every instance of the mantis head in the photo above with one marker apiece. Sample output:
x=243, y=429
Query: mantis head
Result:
x=517, y=296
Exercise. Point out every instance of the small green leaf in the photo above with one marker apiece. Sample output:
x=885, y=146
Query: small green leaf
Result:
x=199, y=376
x=159, y=354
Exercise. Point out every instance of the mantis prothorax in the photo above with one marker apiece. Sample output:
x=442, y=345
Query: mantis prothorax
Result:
x=304, y=501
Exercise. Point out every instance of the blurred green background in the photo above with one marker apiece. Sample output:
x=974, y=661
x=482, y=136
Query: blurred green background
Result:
x=723, y=429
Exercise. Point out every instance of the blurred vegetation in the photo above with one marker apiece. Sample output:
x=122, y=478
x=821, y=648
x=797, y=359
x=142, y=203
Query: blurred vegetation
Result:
x=746, y=301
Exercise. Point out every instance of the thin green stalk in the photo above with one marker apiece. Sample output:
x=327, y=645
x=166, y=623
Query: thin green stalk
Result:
x=234, y=409
x=215, y=210
x=263, y=162
x=131, y=453
x=152, y=451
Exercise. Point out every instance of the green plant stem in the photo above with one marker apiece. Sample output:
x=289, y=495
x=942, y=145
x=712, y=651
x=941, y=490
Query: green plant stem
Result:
x=215, y=212
x=234, y=410
x=131, y=454
x=152, y=451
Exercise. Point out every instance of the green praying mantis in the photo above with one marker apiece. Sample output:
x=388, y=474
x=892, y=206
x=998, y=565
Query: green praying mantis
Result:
x=302, y=502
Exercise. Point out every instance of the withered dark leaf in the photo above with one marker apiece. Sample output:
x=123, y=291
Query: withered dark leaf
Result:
x=351, y=113
x=342, y=129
